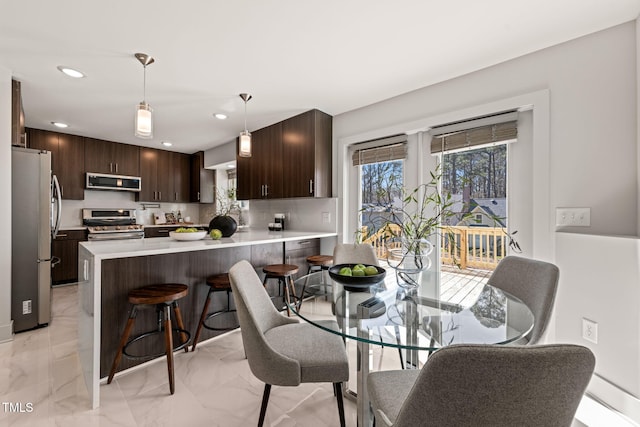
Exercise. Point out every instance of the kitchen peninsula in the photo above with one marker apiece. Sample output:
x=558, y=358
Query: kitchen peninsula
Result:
x=108, y=270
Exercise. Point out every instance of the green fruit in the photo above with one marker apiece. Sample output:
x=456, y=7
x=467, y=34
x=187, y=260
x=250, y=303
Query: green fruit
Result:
x=370, y=270
x=215, y=234
x=345, y=271
x=358, y=272
x=181, y=230
x=359, y=267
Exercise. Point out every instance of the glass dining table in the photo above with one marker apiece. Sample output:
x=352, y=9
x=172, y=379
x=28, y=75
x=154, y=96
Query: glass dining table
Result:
x=417, y=321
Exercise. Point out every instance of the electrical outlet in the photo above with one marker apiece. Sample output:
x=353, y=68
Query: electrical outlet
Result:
x=26, y=307
x=326, y=217
x=590, y=330
x=573, y=217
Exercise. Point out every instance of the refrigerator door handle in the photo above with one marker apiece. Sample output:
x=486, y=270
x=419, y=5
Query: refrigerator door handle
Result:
x=56, y=198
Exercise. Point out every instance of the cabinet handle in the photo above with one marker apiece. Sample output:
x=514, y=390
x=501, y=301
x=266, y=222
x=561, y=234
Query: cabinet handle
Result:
x=304, y=242
x=61, y=190
x=116, y=168
x=266, y=190
x=60, y=235
x=175, y=196
x=163, y=231
x=198, y=196
x=310, y=186
x=159, y=195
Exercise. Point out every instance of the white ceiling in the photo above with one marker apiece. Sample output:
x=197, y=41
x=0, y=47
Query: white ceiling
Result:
x=291, y=55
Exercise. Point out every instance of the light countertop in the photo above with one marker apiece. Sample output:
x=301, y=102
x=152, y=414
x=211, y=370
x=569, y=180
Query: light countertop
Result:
x=110, y=249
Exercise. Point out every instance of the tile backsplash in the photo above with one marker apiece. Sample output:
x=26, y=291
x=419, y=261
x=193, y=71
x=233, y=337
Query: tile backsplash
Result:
x=306, y=214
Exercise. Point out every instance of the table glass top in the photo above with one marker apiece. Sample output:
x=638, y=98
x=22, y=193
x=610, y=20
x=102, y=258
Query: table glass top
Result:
x=418, y=319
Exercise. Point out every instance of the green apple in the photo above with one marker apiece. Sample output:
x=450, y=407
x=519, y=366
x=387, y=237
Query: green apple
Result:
x=215, y=234
x=359, y=267
x=345, y=271
x=370, y=271
x=359, y=272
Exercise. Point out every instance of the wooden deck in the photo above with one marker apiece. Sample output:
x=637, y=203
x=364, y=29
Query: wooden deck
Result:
x=462, y=286
x=457, y=286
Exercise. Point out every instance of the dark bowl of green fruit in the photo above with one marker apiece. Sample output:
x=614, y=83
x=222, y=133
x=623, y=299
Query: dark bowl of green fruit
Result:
x=357, y=276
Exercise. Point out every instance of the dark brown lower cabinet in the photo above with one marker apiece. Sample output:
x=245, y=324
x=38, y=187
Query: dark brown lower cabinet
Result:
x=121, y=275
x=65, y=248
x=296, y=253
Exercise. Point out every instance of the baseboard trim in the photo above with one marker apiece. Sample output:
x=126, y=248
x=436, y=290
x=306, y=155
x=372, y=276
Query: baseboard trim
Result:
x=614, y=397
x=6, y=332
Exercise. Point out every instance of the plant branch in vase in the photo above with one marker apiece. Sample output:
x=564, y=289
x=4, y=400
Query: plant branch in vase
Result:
x=409, y=226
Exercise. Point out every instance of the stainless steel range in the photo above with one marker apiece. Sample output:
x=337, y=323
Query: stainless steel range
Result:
x=112, y=224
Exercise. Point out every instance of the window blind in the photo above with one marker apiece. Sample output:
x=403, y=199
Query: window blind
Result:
x=475, y=132
x=382, y=150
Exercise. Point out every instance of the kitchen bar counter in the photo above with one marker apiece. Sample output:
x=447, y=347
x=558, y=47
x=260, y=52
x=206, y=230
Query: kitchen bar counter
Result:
x=166, y=245
x=108, y=270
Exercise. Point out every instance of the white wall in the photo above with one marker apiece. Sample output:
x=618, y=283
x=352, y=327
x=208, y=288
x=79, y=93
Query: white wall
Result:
x=591, y=87
x=6, y=329
x=221, y=154
x=599, y=281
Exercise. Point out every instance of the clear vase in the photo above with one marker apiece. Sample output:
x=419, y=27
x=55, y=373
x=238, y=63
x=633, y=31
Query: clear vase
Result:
x=409, y=258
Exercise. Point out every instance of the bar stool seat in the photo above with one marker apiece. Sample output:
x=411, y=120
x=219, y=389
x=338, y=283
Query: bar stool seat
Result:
x=319, y=262
x=284, y=274
x=165, y=297
x=217, y=283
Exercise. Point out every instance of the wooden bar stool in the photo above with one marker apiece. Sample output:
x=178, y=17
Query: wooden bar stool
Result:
x=320, y=263
x=164, y=297
x=284, y=274
x=217, y=283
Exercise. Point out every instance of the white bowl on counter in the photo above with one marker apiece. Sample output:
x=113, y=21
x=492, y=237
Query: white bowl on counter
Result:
x=195, y=235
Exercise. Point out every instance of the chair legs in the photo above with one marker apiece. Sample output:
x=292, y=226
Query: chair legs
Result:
x=337, y=389
x=265, y=401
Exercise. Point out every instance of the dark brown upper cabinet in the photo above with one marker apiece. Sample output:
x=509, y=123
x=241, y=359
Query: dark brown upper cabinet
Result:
x=18, y=133
x=291, y=158
x=202, y=180
x=111, y=157
x=306, y=144
x=67, y=159
x=165, y=176
x=260, y=176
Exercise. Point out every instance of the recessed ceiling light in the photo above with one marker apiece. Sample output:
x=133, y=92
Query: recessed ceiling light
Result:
x=167, y=143
x=60, y=124
x=220, y=116
x=71, y=72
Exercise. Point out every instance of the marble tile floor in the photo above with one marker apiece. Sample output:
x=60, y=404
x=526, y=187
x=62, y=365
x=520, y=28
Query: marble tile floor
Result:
x=41, y=385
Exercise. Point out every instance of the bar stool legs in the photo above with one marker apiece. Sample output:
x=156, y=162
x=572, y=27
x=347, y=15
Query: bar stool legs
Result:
x=217, y=283
x=284, y=274
x=164, y=297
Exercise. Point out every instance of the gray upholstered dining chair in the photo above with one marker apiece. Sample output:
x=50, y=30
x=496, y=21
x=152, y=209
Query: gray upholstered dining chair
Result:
x=280, y=350
x=485, y=386
x=535, y=283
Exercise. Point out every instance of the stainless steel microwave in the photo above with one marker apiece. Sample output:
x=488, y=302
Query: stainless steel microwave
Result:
x=101, y=181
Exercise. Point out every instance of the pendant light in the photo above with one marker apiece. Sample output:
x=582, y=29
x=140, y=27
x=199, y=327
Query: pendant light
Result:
x=245, y=137
x=144, y=113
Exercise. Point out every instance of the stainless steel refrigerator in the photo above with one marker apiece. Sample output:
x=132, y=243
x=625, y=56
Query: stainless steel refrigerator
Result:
x=35, y=218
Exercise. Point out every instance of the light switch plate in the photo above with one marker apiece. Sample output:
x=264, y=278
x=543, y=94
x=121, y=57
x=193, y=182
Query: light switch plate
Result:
x=573, y=217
